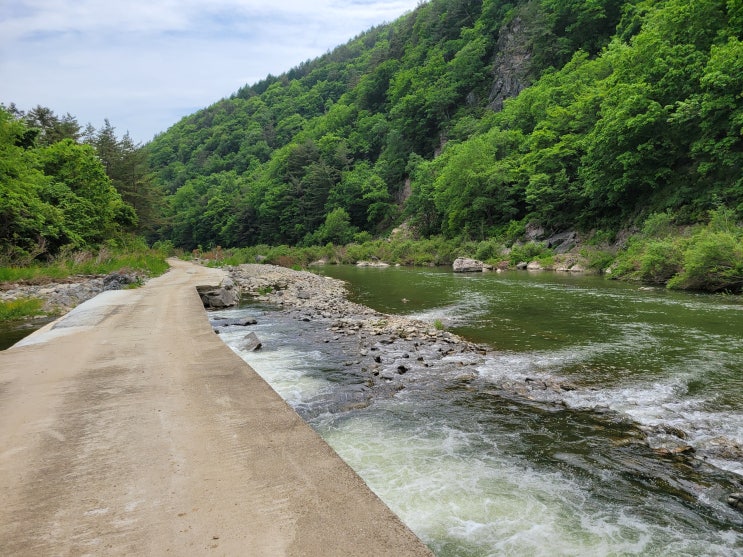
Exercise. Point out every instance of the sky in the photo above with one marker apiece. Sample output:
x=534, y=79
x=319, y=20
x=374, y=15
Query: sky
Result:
x=144, y=64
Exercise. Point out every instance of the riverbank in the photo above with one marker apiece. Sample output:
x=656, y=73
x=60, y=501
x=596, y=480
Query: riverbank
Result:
x=61, y=295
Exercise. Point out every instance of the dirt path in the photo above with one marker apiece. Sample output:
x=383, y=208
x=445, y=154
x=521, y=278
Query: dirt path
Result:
x=129, y=428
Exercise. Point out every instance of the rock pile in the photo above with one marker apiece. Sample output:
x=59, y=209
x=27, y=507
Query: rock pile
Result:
x=62, y=296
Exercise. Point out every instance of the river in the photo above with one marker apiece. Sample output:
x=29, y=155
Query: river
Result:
x=636, y=458
x=635, y=455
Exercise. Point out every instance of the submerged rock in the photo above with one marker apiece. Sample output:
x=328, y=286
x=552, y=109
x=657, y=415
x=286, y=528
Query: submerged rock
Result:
x=735, y=500
x=237, y=322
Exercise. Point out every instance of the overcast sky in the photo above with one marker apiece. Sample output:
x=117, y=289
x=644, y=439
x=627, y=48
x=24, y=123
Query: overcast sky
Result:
x=144, y=64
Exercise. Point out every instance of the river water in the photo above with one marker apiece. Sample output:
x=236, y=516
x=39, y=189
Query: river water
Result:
x=475, y=468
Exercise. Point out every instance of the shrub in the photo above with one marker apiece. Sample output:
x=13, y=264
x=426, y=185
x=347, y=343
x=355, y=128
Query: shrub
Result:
x=660, y=261
x=528, y=252
x=713, y=262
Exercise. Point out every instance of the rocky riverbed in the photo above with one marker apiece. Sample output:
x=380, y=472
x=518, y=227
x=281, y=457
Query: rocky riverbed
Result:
x=390, y=351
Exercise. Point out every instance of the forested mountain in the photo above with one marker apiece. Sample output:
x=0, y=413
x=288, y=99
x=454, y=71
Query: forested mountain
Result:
x=470, y=118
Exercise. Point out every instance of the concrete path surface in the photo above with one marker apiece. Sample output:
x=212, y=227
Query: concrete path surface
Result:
x=128, y=428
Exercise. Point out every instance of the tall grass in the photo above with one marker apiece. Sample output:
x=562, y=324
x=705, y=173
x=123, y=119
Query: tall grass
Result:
x=148, y=261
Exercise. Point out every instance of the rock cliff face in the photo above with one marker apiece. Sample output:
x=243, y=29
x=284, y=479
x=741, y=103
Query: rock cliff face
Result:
x=512, y=64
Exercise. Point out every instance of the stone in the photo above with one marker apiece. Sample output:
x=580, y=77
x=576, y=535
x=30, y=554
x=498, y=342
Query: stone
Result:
x=534, y=266
x=237, y=322
x=563, y=242
x=251, y=343
x=224, y=296
x=467, y=265
x=735, y=500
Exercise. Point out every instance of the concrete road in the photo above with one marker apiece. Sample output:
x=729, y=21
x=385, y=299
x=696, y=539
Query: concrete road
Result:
x=128, y=428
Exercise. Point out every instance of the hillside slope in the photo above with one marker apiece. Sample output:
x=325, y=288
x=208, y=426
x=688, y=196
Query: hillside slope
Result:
x=469, y=119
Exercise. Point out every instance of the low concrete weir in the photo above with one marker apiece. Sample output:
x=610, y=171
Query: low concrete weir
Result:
x=129, y=428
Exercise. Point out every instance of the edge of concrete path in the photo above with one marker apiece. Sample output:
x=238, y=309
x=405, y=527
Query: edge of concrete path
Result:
x=332, y=511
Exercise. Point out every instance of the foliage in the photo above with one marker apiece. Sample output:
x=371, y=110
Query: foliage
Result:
x=527, y=252
x=713, y=261
x=132, y=257
x=707, y=258
x=59, y=193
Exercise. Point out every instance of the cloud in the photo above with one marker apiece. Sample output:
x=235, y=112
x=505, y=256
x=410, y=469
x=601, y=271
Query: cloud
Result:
x=143, y=64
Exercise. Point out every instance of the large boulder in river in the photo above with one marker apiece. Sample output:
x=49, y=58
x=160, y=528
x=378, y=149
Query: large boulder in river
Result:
x=466, y=265
x=224, y=296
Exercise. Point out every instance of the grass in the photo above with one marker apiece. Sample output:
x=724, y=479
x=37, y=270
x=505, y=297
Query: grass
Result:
x=20, y=308
x=149, y=262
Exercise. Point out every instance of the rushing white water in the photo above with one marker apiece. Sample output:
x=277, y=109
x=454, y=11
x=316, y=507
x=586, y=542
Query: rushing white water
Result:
x=477, y=474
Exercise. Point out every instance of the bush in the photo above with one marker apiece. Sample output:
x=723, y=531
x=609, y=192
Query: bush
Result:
x=660, y=261
x=713, y=262
x=528, y=252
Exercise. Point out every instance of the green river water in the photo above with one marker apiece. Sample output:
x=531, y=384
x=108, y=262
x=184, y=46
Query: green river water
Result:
x=477, y=470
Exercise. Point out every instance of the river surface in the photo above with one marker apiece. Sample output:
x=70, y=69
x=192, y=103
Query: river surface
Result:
x=475, y=469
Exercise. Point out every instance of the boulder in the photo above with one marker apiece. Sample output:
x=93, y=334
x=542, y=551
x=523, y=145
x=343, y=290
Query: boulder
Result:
x=466, y=265
x=563, y=242
x=534, y=266
x=380, y=264
x=251, y=343
x=735, y=500
x=224, y=296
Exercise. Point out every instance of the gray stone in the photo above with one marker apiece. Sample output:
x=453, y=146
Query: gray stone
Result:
x=251, y=343
x=237, y=322
x=224, y=296
x=466, y=265
x=735, y=500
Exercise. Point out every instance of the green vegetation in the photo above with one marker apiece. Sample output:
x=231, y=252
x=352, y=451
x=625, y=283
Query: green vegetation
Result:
x=21, y=308
x=150, y=262
x=623, y=109
x=62, y=190
x=706, y=257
